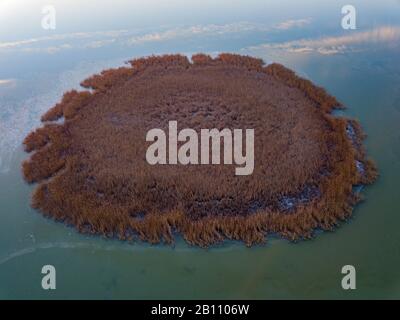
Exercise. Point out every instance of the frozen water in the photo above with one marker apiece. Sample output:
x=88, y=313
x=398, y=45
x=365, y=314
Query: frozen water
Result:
x=19, y=117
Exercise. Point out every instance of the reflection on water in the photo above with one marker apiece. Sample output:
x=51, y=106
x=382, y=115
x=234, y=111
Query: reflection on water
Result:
x=359, y=67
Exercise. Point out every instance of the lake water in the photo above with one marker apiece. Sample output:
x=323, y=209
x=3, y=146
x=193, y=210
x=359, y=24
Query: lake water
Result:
x=360, y=67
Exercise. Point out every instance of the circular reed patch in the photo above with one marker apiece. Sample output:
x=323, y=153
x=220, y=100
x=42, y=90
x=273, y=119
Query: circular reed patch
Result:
x=92, y=172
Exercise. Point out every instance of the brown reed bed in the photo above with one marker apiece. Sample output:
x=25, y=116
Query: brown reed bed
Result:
x=92, y=173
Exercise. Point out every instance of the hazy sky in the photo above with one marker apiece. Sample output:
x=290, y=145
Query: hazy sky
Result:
x=20, y=19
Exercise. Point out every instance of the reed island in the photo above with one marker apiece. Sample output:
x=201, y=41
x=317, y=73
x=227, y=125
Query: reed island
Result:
x=89, y=164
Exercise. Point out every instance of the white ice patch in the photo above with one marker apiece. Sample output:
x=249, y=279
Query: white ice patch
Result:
x=17, y=119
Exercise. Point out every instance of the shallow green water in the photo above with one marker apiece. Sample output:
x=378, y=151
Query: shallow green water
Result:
x=366, y=81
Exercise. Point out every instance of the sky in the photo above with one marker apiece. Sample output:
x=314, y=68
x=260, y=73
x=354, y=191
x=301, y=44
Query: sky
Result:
x=94, y=24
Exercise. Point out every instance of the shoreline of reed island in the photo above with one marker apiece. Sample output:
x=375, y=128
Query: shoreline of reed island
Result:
x=91, y=172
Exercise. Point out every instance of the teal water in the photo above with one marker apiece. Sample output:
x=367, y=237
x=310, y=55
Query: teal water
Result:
x=360, y=67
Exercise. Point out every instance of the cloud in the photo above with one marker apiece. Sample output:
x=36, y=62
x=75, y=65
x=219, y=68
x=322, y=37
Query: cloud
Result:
x=99, y=43
x=7, y=82
x=51, y=44
x=290, y=24
x=102, y=38
x=356, y=41
x=50, y=49
x=216, y=30
x=198, y=30
x=60, y=37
